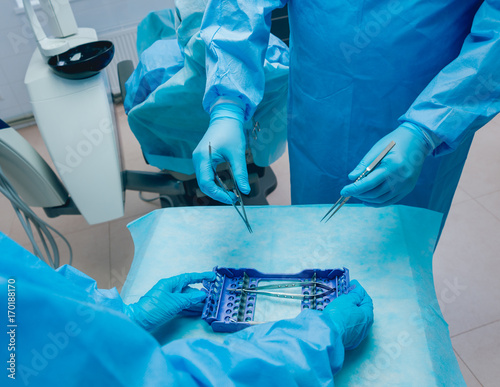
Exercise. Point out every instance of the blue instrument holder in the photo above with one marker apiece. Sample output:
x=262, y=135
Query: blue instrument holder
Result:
x=233, y=296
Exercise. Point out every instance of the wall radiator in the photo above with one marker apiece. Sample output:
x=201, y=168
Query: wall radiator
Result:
x=125, y=49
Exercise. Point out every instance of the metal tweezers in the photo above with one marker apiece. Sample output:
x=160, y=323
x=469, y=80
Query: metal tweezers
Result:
x=236, y=191
x=343, y=199
x=264, y=290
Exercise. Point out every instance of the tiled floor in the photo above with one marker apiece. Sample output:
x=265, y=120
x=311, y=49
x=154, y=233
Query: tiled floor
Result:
x=466, y=263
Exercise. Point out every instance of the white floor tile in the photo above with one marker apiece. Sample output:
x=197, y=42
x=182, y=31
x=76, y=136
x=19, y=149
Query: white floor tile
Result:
x=18, y=234
x=491, y=202
x=137, y=163
x=65, y=224
x=134, y=206
x=460, y=196
x=482, y=168
x=34, y=137
x=129, y=145
x=90, y=252
x=467, y=266
x=480, y=350
x=281, y=195
x=469, y=377
x=122, y=251
x=7, y=215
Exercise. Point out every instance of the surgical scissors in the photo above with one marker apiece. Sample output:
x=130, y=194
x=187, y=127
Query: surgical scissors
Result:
x=343, y=199
x=236, y=191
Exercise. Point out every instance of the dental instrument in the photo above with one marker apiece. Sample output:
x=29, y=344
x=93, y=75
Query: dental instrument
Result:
x=234, y=295
x=343, y=199
x=235, y=190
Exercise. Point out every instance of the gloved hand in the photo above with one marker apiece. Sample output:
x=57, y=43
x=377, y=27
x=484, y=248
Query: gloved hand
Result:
x=227, y=139
x=397, y=174
x=166, y=299
x=352, y=314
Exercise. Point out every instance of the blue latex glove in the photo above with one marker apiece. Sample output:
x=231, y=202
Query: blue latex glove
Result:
x=352, y=314
x=168, y=298
x=227, y=139
x=397, y=174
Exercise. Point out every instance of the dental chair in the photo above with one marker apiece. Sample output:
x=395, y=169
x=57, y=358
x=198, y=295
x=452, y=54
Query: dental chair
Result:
x=76, y=118
x=172, y=69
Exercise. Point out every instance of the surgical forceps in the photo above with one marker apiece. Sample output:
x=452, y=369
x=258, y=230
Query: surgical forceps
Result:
x=266, y=290
x=236, y=191
x=343, y=200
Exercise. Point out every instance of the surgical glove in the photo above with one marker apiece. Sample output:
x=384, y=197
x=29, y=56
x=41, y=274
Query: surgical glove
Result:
x=226, y=137
x=166, y=299
x=352, y=314
x=397, y=174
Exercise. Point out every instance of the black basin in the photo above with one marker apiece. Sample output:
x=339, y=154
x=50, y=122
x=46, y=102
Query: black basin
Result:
x=83, y=61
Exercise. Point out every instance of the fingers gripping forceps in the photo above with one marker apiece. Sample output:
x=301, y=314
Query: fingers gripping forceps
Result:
x=235, y=190
x=343, y=199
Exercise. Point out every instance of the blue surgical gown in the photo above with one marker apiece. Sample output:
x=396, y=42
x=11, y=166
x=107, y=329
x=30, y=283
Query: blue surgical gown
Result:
x=69, y=333
x=357, y=70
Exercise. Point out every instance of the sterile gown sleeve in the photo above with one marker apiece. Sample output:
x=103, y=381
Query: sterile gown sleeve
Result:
x=304, y=351
x=72, y=334
x=236, y=34
x=465, y=95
